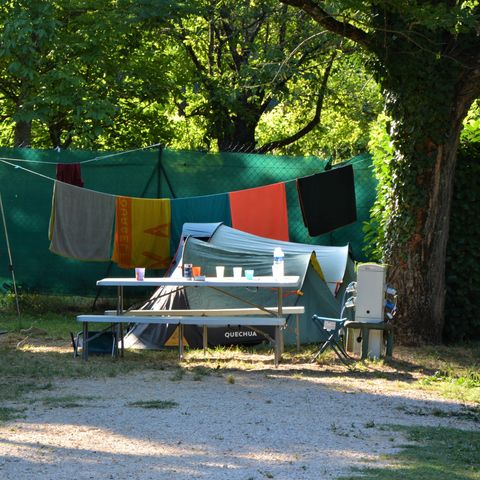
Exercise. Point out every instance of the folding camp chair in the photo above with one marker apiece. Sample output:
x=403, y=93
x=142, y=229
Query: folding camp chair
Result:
x=332, y=327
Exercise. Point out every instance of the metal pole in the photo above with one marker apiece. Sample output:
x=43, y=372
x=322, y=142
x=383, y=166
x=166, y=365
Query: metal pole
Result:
x=10, y=264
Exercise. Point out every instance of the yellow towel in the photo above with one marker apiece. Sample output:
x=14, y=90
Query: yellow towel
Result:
x=142, y=232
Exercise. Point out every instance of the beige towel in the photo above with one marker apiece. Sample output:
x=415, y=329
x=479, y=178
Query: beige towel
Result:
x=81, y=223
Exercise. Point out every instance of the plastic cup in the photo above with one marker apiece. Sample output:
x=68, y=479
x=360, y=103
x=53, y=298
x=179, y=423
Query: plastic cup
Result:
x=237, y=272
x=139, y=274
x=249, y=274
x=197, y=271
x=220, y=269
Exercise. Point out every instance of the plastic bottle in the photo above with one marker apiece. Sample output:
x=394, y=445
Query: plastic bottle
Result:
x=278, y=269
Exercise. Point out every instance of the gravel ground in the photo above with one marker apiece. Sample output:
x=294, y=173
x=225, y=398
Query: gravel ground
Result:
x=241, y=425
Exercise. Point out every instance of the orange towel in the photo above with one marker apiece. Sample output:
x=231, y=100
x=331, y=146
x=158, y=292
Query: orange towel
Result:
x=261, y=211
x=142, y=233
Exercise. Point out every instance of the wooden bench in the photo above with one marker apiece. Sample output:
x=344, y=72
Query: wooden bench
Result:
x=220, y=312
x=204, y=321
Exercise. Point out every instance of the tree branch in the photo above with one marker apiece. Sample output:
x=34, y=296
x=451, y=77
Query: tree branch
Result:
x=312, y=123
x=327, y=21
x=181, y=36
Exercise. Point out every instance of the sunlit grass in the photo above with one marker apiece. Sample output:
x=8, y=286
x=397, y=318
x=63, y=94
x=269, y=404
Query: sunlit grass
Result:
x=434, y=454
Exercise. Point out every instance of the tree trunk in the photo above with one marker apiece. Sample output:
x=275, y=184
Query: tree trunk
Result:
x=239, y=136
x=23, y=134
x=417, y=265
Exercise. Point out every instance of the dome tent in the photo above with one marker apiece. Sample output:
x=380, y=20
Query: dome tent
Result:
x=324, y=272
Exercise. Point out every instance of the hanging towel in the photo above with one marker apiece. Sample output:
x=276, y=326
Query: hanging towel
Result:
x=204, y=209
x=142, y=233
x=81, y=223
x=261, y=211
x=327, y=200
x=69, y=173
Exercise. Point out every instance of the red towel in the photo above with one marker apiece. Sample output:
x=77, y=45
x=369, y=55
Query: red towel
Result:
x=69, y=173
x=261, y=211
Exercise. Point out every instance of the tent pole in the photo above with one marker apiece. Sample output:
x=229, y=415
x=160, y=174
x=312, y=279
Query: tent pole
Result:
x=10, y=264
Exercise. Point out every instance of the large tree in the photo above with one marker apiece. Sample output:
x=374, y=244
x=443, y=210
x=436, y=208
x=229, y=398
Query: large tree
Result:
x=236, y=51
x=79, y=74
x=426, y=57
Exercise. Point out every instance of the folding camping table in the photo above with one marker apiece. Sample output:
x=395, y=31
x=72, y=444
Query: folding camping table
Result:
x=219, y=284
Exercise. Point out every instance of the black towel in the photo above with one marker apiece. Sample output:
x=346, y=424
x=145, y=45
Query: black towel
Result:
x=327, y=200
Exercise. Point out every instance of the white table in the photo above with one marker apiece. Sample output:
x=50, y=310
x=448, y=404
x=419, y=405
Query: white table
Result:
x=218, y=284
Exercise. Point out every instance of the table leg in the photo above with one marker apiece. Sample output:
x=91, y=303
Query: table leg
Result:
x=297, y=330
x=122, y=343
x=120, y=300
x=277, y=351
x=119, y=327
x=279, y=314
x=85, y=342
x=365, y=341
x=205, y=339
x=180, y=341
x=389, y=351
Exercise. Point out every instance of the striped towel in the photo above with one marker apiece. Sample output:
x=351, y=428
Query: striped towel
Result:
x=142, y=233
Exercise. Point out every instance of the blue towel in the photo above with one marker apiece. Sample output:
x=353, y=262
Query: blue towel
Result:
x=204, y=209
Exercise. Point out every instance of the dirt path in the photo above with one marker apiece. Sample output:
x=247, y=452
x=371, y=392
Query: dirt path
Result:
x=244, y=425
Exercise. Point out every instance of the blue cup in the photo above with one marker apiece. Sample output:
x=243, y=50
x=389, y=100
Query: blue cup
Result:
x=249, y=274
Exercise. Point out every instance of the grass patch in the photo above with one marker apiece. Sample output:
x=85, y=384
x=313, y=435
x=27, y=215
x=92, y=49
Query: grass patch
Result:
x=177, y=375
x=68, y=401
x=199, y=372
x=10, y=413
x=451, y=383
x=158, y=404
x=466, y=413
x=56, y=325
x=437, y=454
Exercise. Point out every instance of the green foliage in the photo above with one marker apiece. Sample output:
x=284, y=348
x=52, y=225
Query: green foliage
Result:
x=72, y=70
x=193, y=75
x=345, y=120
x=463, y=251
x=382, y=151
x=471, y=125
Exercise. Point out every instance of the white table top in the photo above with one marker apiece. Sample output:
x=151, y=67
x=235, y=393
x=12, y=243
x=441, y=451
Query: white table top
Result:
x=287, y=281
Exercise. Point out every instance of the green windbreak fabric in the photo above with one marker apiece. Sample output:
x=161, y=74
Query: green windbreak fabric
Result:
x=150, y=173
x=27, y=199
x=196, y=173
x=204, y=209
x=315, y=295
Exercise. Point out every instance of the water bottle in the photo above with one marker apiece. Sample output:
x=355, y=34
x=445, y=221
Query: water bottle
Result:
x=278, y=268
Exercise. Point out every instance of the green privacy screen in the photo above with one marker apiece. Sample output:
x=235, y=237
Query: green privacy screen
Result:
x=153, y=173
